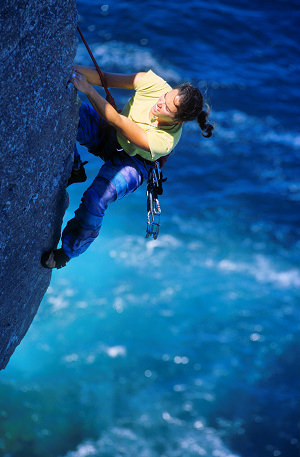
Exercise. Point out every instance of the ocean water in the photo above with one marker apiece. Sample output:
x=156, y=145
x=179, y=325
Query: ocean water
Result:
x=189, y=345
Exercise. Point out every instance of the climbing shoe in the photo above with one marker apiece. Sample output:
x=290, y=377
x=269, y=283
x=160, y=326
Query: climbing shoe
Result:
x=77, y=174
x=56, y=258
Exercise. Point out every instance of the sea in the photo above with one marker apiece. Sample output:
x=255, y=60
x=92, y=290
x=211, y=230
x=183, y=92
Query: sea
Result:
x=187, y=345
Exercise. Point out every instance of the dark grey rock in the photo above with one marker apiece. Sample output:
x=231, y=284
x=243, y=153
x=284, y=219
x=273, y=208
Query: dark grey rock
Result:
x=38, y=121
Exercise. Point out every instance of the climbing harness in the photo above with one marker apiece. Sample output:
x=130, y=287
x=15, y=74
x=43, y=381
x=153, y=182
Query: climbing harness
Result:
x=154, y=188
x=155, y=179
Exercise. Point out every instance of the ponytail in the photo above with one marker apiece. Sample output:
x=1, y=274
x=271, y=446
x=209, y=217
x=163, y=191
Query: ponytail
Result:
x=206, y=127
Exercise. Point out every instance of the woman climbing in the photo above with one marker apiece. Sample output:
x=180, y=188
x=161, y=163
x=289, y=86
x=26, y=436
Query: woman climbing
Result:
x=128, y=143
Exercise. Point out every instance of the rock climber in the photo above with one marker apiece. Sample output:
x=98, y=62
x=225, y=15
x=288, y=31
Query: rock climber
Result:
x=129, y=144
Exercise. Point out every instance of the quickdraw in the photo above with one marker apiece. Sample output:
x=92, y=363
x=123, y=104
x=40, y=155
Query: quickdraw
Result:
x=154, y=188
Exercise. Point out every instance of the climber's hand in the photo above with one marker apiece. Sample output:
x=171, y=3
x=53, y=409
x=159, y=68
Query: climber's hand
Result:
x=79, y=81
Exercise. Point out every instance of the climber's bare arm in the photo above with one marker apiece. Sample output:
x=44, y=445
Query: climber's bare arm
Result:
x=121, y=123
x=112, y=79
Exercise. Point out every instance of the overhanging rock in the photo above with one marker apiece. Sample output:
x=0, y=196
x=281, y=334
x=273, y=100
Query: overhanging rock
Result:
x=38, y=122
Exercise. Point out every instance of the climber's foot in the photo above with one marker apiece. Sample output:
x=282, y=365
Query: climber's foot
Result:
x=77, y=174
x=54, y=259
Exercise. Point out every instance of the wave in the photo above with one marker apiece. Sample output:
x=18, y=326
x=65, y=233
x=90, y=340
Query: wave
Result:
x=234, y=125
x=59, y=300
x=137, y=251
x=184, y=439
x=261, y=269
x=127, y=58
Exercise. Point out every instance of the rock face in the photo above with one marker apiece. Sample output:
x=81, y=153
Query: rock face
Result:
x=38, y=122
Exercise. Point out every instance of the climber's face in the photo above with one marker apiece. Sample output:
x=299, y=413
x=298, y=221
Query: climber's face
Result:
x=165, y=109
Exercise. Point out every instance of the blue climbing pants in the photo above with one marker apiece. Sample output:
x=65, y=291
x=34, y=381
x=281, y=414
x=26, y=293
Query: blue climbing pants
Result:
x=118, y=176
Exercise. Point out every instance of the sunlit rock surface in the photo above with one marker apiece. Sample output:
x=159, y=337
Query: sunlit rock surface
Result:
x=39, y=113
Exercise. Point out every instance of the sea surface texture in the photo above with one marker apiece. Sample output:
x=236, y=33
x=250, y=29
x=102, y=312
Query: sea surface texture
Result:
x=189, y=345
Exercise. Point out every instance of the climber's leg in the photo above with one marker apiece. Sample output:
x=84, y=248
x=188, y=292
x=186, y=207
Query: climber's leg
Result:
x=115, y=179
x=94, y=132
x=97, y=135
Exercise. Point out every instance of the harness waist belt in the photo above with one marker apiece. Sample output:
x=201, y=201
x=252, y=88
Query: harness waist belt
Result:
x=149, y=162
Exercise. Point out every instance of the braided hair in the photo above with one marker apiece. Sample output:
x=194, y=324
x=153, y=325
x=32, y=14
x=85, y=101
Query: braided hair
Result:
x=191, y=107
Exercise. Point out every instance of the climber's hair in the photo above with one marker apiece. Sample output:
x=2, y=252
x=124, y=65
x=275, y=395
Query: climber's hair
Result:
x=191, y=107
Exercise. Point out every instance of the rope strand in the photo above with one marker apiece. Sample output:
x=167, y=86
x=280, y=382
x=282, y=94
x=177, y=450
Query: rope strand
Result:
x=109, y=97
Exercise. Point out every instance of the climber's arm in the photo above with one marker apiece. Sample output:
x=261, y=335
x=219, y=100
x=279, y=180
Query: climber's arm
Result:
x=126, y=126
x=112, y=79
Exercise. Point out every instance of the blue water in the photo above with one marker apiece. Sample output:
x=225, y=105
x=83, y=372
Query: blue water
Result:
x=189, y=345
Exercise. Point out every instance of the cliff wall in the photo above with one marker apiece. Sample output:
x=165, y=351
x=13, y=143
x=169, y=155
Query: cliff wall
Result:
x=38, y=121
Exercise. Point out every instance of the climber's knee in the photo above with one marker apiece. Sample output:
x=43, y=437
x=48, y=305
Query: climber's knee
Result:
x=97, y=197
x=76, y=238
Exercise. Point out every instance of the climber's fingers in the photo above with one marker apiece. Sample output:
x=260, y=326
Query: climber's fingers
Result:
x=79, y=81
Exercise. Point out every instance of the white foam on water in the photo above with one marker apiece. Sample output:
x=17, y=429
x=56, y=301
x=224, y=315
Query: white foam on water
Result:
x=282, y=138
x=116, y=351
x=188, y=440
x=59, y=297
x=135, y=251
x=84, y=450
x=264, y=272
x=262, y=269
x=181, y=360
x=58, y=302
x=127, y=58
x=71, y=358
x=236, y=125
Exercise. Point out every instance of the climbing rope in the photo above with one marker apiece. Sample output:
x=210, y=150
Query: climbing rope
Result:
x=109, y=97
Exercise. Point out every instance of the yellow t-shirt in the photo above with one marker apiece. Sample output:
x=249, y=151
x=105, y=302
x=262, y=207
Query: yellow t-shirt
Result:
x=161, y=139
